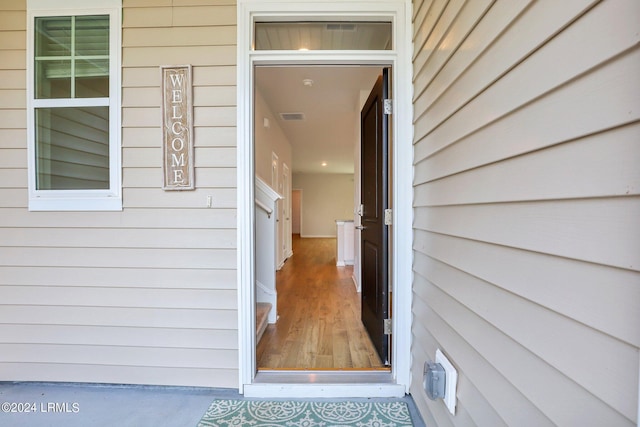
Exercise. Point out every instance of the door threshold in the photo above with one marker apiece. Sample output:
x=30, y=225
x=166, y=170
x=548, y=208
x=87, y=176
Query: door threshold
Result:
x=332, y=376
x=334, y=384
x=324, y=370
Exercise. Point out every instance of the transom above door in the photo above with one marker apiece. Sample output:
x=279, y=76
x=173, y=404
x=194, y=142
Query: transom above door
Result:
x=323, y=35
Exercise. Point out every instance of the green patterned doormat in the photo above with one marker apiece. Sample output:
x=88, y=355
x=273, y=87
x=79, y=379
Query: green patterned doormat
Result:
x=261, y=413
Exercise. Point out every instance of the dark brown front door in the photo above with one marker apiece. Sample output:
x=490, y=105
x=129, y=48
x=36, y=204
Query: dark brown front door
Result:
x=375, y=199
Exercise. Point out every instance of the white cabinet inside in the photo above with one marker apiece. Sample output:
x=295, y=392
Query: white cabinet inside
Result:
x=344, y=243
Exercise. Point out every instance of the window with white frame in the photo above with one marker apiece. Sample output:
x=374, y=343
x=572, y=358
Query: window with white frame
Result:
x=74, y=105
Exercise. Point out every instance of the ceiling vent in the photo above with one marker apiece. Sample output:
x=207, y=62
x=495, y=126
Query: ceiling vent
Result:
x=292, y=116
x=336, y=26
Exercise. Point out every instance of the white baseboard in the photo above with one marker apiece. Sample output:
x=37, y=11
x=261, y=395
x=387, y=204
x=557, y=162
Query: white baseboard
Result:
x=355, y=282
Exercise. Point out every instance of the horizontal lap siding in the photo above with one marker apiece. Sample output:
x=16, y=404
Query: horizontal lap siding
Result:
x=146, y=295
x=527, y=199
x=13, y=148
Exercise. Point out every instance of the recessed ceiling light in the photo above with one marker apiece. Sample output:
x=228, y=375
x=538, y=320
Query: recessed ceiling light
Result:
x=324, y=164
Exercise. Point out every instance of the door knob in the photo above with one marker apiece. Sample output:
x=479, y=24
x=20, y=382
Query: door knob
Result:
x=360, y=227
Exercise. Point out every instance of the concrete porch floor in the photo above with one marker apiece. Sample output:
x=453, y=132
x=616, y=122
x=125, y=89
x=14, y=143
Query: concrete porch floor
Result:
x=75, y=405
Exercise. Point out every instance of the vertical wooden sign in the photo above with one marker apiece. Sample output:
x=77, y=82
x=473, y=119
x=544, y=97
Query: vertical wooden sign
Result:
x=177, y=128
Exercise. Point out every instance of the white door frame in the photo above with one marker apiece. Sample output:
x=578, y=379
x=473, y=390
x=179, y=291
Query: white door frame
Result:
x=399, y=58
x=286, y=212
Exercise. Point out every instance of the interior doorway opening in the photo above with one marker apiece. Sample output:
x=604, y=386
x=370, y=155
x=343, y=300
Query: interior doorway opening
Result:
x=309, y=118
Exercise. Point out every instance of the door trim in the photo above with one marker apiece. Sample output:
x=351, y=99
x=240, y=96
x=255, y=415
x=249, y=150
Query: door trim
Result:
x=286, y=213
x=374, y=234
x=399, y=13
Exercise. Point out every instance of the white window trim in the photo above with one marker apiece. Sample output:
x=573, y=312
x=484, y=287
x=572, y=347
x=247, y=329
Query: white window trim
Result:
x=78, y=200
x=399, y=11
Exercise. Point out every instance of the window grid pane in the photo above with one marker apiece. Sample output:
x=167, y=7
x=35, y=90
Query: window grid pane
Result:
x=53, y=36
x=69, y=49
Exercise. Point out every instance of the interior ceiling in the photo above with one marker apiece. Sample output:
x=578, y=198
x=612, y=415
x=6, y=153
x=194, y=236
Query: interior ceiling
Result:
x=331, y=108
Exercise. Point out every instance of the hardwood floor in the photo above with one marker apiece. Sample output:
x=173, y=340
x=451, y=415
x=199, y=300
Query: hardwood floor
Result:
x=319, y=325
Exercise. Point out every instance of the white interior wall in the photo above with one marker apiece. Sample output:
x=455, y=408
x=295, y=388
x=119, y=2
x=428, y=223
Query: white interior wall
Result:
x=327, y=198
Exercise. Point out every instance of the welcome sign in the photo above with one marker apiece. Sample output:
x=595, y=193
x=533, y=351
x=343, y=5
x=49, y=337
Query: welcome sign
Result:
x=177, y=128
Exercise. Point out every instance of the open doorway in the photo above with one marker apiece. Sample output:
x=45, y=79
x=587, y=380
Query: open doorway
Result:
x=309, y=118
x=396, y=52
x=296, y=211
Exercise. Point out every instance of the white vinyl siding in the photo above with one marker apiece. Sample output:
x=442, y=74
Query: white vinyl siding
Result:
x=146, y=295
x=527, y=199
